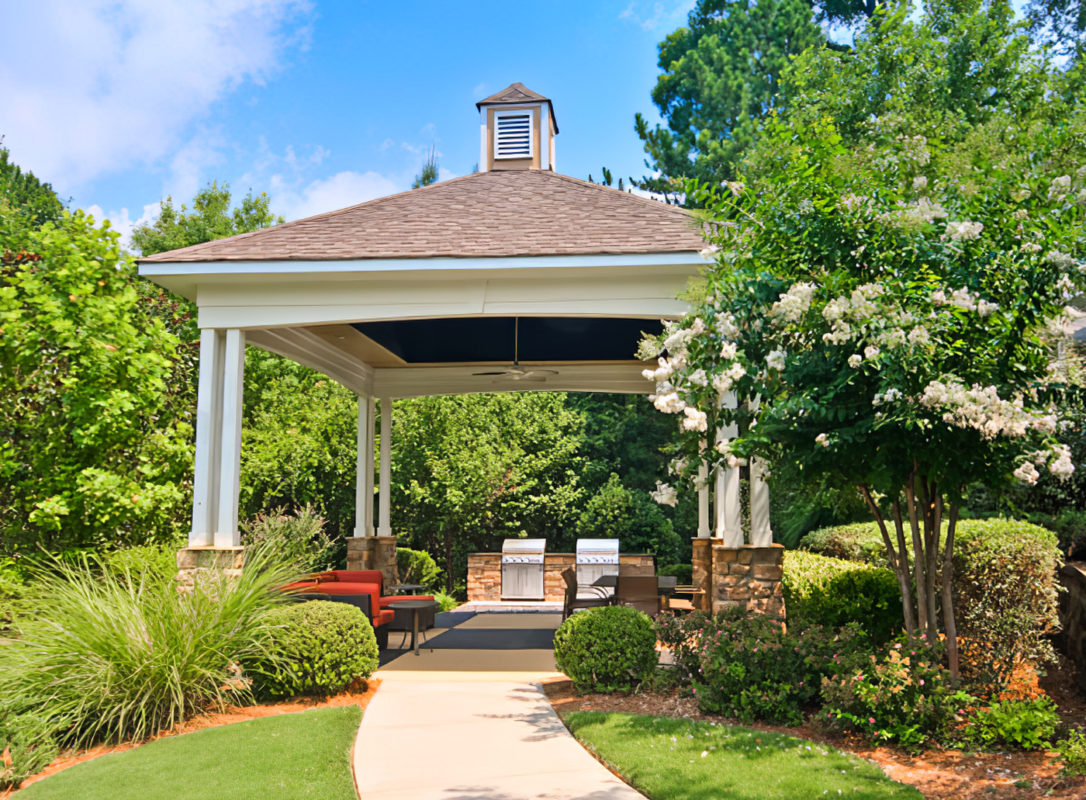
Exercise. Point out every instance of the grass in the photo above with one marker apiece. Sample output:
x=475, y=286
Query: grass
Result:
x=288, y=757
x=675, y=759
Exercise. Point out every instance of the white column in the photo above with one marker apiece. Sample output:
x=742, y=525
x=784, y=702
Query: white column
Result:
x=226, y=531
x=363, y=482
x=760, y=532
x=205, y=483
x=729, y=518
x=703, y=502
x=384, y=527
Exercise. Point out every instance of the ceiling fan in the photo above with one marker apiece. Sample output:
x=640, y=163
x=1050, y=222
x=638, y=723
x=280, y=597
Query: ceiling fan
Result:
x=515, y=371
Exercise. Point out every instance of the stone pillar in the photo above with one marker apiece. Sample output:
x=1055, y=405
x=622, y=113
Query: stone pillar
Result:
x=192, y=562
x=749, y=577
x=701, y=557
x=374, y=552
x=485, y=577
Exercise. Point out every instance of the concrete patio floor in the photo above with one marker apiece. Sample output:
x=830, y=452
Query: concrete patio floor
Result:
x=471, y=723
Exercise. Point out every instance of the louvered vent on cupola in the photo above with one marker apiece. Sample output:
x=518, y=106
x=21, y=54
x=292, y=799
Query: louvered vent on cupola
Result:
x=518, y=130
x=513, y=134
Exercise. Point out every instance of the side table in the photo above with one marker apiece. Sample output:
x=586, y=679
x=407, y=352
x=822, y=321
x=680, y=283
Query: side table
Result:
x=416, y=607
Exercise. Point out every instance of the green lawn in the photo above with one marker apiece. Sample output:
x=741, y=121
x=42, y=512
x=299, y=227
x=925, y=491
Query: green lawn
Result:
x=289, y=757
x=675, y=759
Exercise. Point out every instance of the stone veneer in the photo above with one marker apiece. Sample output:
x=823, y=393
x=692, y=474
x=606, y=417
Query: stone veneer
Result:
x=194, y=561
x=749, y=577
x=702, y=577
x=485, y=573
x=374, y=552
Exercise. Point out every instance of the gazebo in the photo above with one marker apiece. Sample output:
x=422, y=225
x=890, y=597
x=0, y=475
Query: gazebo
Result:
x=514, y=278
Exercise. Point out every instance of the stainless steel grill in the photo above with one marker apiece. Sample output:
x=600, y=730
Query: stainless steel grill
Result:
x=522, y=569
x=596, y=558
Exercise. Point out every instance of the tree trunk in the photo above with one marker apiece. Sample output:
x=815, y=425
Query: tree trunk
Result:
x=448, y=563
x=919, y=561
x=931, y=506
x=899, y=561
x=947, y=577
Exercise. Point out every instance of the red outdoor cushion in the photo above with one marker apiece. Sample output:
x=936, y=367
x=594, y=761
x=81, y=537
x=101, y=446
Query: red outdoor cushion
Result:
x=342, y=587
x=360, y=576
x=383, y=617
x=387, y=602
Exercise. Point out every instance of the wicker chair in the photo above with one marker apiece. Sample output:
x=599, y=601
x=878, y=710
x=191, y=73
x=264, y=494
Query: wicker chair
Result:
x=571, y=602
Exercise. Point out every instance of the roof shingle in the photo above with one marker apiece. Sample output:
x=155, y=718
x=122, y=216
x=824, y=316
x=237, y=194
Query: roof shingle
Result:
x=487, y=214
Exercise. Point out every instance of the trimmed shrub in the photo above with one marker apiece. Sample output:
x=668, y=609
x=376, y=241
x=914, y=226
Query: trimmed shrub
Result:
x=12, y=594
x=1005, y=590
x=819, y=590
x=905, y=697
x=117, y=654
x=681, y=634
x=27, y=745
x=1021, y=724
x=297, y=539
x=748, y=668
x=1072, y=750
x=318, y=647
x=684, y=572
x=418, y=566
x=609, y=649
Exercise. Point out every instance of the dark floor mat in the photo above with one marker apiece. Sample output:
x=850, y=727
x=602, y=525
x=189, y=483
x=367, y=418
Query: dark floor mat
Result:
x=450, y=619
x=493, y=639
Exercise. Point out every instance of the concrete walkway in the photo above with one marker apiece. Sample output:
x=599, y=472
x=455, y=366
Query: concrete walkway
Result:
x=435, y=732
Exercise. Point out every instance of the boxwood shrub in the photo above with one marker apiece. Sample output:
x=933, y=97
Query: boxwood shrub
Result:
x=609, y=649
x=1005, y=590
x=318, y=648
x=819, y=590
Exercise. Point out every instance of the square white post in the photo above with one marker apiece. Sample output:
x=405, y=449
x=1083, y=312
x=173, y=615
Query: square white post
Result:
x=363, y=500
x=761, y=534
x=729, y=518
x=703, y=502
x=384, y=527
x=205, y=480
x=226, y=531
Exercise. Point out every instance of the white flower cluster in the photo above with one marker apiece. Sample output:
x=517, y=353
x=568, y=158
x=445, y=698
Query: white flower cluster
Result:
x=695, y=420
x=726, y=379
x=1058, y=460
x=665, y=494
x=1060, y=188
x=891, y=395
x=914, y=214
x=962, y=231
x=794, y=303
x=776, y=359
x=982, y=409
x=667, y=399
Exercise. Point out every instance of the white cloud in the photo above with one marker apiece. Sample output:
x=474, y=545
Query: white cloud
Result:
x=660, y=16
x=330, y=194
x=97, y=86
x=122, y=222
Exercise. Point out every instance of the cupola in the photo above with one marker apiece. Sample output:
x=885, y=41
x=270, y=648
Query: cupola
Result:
x=517, y=130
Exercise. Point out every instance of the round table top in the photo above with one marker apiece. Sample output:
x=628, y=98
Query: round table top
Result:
x=407, y=602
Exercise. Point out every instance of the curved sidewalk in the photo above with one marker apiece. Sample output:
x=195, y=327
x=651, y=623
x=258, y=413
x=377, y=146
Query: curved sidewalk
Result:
x=435, y=733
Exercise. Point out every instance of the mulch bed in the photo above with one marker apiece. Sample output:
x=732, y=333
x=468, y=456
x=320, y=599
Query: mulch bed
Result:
x=938, y=774
x=359, y=696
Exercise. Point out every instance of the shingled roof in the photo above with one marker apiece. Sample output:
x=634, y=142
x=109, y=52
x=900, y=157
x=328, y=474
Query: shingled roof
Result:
x=487, y=214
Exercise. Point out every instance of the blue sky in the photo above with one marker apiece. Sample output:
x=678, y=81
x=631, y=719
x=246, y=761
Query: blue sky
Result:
x=320, y=103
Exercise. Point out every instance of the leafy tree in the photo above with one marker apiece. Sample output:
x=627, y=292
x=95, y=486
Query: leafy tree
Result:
x=884, y=279
x=33, y=201
x=630, y=515
x=210, y=218
x=90, y=454
x=428, y=174
x=468, y=471
x=1060, y=23
x=721, y=78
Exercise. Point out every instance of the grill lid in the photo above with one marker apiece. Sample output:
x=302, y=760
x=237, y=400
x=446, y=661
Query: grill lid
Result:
x=597, y=551
x=523, y=546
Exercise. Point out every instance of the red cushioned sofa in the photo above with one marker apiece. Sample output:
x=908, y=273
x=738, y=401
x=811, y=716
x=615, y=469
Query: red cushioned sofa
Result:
x=359, y=587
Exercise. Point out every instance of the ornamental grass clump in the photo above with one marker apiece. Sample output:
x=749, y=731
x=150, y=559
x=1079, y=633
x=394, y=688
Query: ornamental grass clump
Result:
x=610, y=649
x=118, y=654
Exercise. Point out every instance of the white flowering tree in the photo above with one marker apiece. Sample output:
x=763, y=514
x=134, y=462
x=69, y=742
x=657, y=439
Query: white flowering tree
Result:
x=883, y=282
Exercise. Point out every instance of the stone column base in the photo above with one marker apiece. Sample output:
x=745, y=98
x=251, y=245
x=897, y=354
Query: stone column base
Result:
x=702, y=559
x=749, y=577
x=192, y=562
x=374, y=552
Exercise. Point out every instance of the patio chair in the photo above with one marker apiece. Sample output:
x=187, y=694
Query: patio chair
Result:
x=640, y=592
x=571, y=602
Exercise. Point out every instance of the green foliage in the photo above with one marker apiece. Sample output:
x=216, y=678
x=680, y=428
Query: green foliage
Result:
x=446, y=602
x=683, y=572
x=209, y=218
x=317, y=648
x=905, y=697
x=418, y=566
x=752, y=670
x=721, y=78
x=1069, y=526
x=296, y=539
x=22, y=194
x=827, y=591
x=90, y=451
x=429, y=171
x=677, y=759
x=1072, y=753
x=856, y=542
x=12, y=592
x=116, y=654
x=469, y=470
x=1019, y=724
x=608, y=649
x=28, y=747
x=632, y=517
x=681, y=634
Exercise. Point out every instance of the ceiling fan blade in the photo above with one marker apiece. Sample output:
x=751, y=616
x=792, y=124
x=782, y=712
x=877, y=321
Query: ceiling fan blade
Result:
x=498, y=372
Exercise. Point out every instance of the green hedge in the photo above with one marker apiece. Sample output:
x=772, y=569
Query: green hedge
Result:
x=819, y=590
x=1005, y=589
x=609, y=649
x=418, y=566
x=319, y=647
